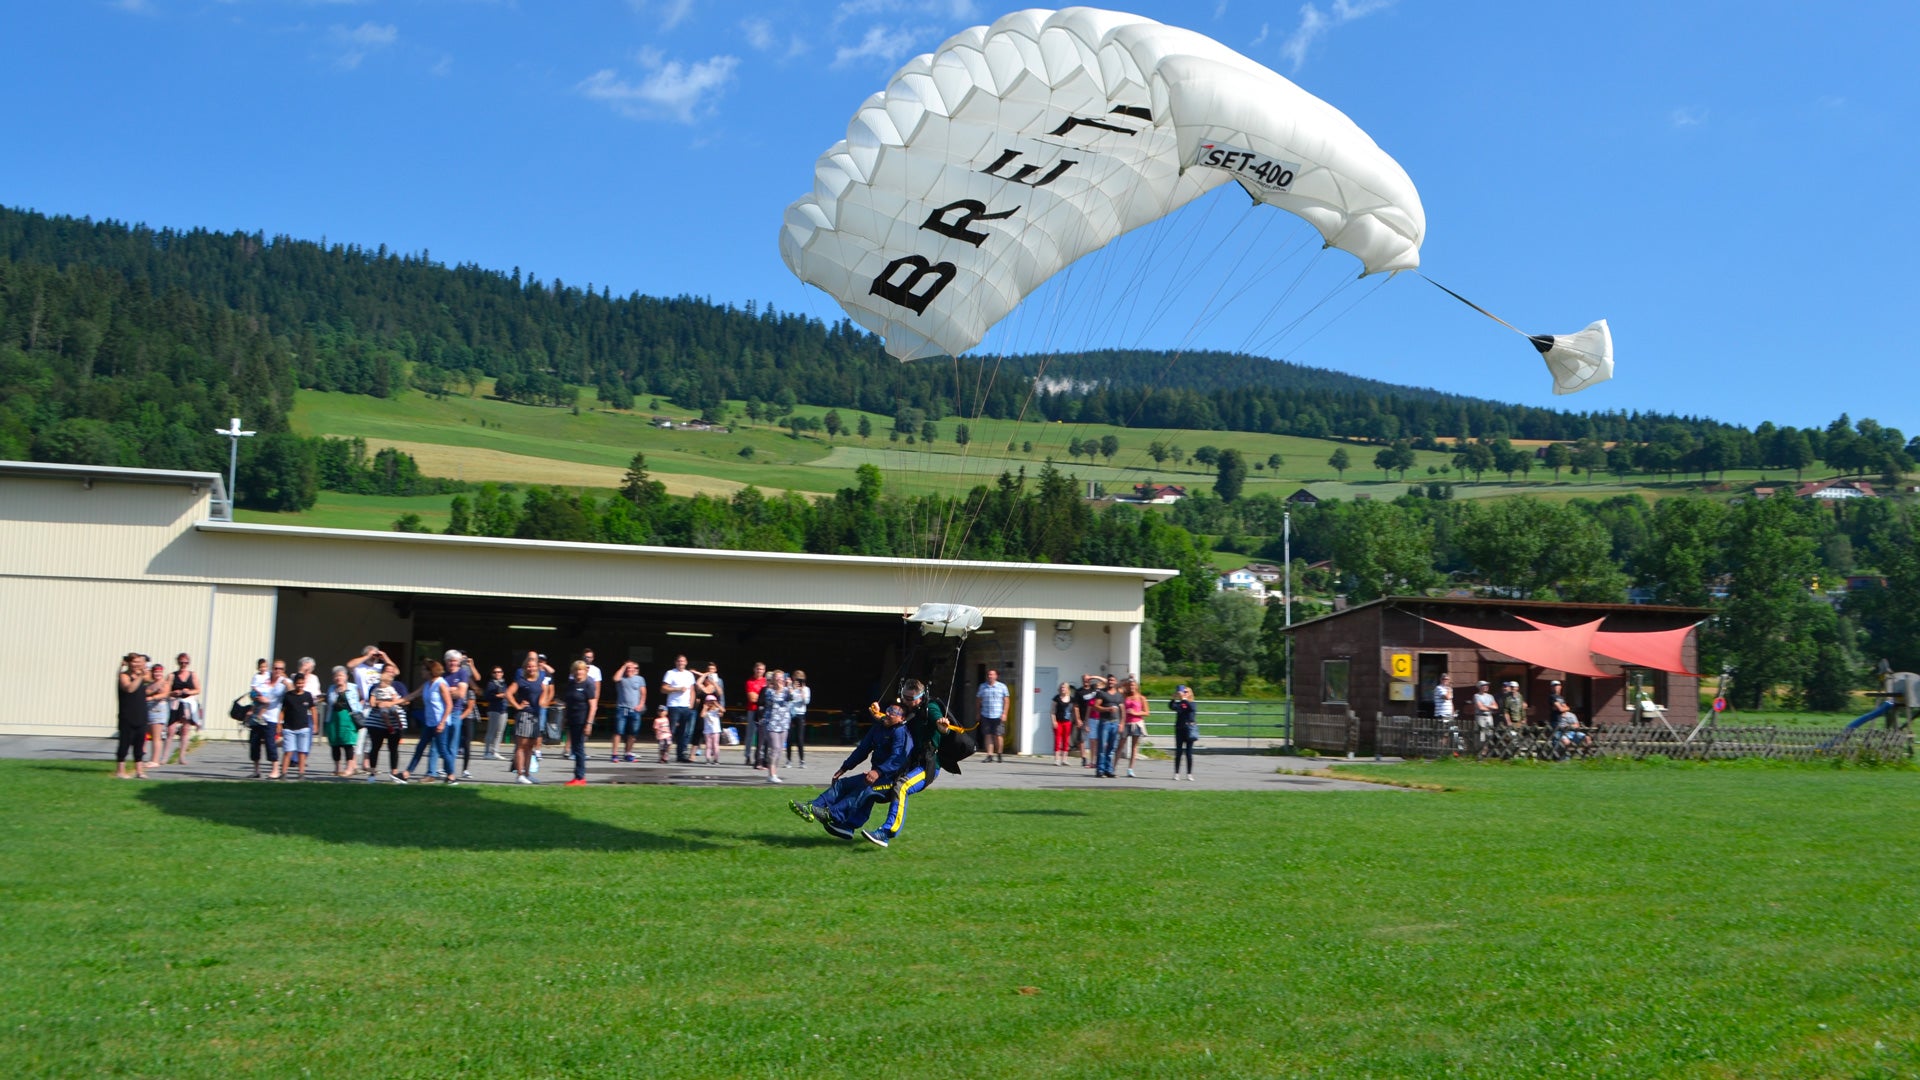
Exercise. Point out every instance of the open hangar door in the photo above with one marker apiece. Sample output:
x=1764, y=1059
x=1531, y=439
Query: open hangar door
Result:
x=848, y=658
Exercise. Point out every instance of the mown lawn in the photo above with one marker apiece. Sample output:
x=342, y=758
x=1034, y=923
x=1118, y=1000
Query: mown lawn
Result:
x=1585, y=920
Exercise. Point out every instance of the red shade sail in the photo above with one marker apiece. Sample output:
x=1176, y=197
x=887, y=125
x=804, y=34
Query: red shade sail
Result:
x=1661, y=650
x=1558, y=648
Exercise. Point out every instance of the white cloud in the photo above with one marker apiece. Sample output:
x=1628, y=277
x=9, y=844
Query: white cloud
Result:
x=134, y=7
x=1687, y=116
x=763, y=36
x=677, y=91
x=442, y=67
x=1316, y=24
x=967, y=11
x=671, y=13
x=358, y=42
x=1261, y=38
x=880, y=43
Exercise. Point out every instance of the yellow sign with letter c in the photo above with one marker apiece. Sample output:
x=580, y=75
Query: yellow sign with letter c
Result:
x=1402, y=665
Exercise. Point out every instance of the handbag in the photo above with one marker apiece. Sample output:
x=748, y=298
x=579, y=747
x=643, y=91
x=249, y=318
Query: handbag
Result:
x=241, y=708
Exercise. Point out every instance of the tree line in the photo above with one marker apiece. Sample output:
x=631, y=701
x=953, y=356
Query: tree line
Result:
x=255, y=317
x=1773, y=571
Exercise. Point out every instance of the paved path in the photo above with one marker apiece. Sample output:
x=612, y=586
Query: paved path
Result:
x=1215, y=771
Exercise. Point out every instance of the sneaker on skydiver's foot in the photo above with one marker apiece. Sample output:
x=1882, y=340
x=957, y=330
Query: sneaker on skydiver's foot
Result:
x=804, y=810
x=875, y=838
x=836, y=831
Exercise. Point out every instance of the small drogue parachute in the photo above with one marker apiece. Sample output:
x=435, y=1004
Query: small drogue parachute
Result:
x=948, y=620
x=988, y=166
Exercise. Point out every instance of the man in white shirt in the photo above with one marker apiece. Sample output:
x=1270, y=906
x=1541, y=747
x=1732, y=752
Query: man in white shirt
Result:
x=1443, y=708
x=1485, y=708
x=593, y=669
x=366, y=669
x=678, y=684
x=990, y=705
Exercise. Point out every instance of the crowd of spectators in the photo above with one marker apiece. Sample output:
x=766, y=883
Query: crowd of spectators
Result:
x=518, y=714
x=532, y=709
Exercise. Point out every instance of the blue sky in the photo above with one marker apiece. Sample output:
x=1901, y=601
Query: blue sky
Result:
x=1730, y=184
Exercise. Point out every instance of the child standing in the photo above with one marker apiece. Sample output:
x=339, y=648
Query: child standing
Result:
x=662, y=733
x=710, y=728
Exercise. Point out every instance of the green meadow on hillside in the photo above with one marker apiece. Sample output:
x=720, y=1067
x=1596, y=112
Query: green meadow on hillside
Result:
x=480, y=438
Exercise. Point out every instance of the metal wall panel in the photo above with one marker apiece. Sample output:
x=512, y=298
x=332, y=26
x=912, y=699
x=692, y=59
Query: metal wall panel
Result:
x=61, y=641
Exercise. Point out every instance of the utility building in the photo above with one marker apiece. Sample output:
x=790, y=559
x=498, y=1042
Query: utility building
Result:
x=1384, y=658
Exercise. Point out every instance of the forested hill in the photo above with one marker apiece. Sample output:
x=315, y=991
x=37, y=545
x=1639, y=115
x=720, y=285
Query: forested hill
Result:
x=118, y=344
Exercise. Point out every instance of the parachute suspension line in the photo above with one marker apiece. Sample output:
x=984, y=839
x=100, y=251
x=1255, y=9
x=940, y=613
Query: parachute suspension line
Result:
x=1272, y=342
x=1210, y=312
x=1065, y=299
x=1342, y=313
x=1475, y=306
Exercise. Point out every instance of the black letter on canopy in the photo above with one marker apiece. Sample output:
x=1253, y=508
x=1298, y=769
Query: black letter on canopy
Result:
x=902, y=292
x=972, y=210
x=1072, y=122
x=1020, y=177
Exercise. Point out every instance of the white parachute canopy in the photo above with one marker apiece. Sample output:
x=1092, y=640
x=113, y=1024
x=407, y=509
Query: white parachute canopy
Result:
x=1577, y=360
x=990, y=165
x=950, y=620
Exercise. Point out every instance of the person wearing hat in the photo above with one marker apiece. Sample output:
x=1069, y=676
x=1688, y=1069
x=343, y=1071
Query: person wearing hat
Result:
x=1186, y=729
x=1555, y=699
x=1484, y=709
x=1513, y=706
x=887, y=749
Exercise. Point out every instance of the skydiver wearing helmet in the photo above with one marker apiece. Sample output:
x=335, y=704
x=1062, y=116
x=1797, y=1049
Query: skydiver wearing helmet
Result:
x=935, y=744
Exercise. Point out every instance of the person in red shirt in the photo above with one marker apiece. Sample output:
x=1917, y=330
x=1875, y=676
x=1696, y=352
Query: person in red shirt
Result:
x=756, y=739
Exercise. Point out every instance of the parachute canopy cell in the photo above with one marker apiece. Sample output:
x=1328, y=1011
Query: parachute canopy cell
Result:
x=988, y=166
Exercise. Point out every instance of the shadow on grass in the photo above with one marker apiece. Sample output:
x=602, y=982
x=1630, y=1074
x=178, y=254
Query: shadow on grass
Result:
x=461, y=819
x=817, y=838
x=91, y=768
x=1047, y=813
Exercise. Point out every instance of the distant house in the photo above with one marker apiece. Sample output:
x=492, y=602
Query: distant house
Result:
x=1266, y=572
x=1835, y=489
x=1158, y=494
x=702, y=425
x=1243, y=580
x=1303, y=497
x=662, y=421
x=1764, y=492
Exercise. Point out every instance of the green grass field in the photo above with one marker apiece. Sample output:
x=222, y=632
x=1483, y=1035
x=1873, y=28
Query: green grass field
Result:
x=1627, y=921
x=339, y=510
x=604, y=439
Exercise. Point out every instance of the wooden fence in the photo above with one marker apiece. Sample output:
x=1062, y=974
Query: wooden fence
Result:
x=1405, y=736
x=1328, y=733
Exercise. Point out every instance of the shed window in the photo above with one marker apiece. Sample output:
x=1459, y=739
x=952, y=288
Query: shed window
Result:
x=1333, y=680
x=1653, y=683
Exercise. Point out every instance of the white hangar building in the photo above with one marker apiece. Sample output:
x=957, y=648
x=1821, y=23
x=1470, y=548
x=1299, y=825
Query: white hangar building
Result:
x=96, y=562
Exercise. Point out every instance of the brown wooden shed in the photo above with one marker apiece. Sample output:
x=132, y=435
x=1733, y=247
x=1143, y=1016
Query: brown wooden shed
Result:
x=1384, y=657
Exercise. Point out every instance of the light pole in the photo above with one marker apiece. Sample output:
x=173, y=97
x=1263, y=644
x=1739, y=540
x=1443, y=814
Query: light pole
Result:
x=233, y=459
x=1286, y=594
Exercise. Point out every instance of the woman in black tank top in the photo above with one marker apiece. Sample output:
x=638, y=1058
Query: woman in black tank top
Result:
x=132, y=691
x=185, y=717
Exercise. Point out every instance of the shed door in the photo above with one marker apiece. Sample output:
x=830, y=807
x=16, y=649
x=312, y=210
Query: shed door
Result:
x=1432, y=665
